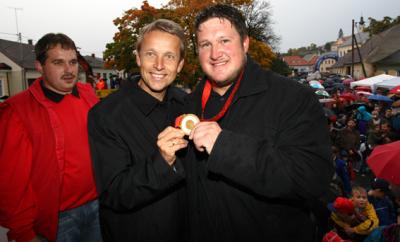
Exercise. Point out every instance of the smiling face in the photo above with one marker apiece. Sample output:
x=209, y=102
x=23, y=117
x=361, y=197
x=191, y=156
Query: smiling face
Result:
x=59, y=70
x=159, y=61
x=222, y=53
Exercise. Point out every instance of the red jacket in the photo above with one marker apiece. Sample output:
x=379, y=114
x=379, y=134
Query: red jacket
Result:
x=31, y=163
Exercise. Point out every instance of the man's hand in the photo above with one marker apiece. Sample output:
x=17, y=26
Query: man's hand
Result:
x=204, y=135
x=169, y=141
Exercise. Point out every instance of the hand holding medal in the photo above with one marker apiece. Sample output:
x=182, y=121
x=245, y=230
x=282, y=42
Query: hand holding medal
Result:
x=186, y=122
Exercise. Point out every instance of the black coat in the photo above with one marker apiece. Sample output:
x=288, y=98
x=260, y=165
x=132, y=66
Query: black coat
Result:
x=138, y=190
x=269, y=163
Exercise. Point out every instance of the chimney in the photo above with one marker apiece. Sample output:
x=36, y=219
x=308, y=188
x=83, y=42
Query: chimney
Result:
x=93, y=55
x=30, y=41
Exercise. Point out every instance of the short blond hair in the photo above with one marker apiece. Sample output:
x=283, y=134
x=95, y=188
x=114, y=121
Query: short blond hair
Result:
x=358, y=189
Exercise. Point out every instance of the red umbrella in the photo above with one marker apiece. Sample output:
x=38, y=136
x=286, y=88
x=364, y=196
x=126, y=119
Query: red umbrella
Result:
x=348, y=96
x=384, y=161
x=364, y=93
x=395, y=90
x=363, y=88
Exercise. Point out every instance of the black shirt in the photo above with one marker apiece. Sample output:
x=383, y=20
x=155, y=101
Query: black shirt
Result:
x=216, y=102
x=56, y=97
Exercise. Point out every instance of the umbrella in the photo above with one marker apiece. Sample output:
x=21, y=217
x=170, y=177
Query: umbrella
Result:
x=385, y=163
x=327, y=100
x=363, y=93
x=348, y=96
x=378, y=97
x=395, y=90
x=316, y=85
x=363, y=88
x=322, y=93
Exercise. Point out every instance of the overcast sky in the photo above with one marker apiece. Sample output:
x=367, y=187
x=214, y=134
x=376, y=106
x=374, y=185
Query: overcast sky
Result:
x=89, y=22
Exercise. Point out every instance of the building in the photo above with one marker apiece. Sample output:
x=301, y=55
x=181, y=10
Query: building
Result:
x=17, y=68
x=299, y=64
x=380, y=54
x=344, y=45
x=98, y=68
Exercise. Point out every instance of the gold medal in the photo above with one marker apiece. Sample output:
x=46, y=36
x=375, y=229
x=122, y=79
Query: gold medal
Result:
x=186, y=122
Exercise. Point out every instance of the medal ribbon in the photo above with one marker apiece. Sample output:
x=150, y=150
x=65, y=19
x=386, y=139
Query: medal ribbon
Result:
x=206, y=95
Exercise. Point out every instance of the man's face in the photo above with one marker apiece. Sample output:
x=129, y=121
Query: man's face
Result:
x=159, y=62
x=222, y=54
x=60, y=70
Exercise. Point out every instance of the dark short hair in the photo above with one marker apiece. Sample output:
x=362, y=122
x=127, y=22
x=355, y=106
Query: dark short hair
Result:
x=223, y=11
x=163, y=25
x=49, y=41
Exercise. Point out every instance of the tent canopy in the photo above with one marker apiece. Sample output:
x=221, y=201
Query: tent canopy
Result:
x=371, y=81
x=388, y=84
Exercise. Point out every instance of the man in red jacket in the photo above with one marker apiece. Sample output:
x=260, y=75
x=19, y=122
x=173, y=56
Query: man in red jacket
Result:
x=47, y=188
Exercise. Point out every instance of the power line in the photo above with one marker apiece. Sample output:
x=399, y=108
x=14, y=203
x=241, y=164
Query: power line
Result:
x=8, y=33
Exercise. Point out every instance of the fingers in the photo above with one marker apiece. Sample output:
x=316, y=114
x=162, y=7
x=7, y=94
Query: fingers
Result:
x=204, y=135
x=170, y=131
x=169, y=141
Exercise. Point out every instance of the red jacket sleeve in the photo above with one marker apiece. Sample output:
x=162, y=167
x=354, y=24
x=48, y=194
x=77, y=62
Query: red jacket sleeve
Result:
x=17, y=206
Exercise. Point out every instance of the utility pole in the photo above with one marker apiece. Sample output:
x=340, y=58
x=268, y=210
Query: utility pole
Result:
x=352, y=49
x=21, y=54
x=355, y=42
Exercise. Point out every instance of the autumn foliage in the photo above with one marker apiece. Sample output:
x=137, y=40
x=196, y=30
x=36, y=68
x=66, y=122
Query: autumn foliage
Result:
x=120, y=53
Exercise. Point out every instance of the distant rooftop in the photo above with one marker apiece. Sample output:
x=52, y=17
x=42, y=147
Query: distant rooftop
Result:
x=24, y=55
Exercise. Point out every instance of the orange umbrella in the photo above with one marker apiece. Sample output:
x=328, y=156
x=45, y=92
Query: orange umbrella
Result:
x=384, y=161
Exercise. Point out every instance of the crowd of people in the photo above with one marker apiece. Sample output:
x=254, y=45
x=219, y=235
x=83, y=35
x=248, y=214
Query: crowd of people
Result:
x=254, y=168
x=366, y=208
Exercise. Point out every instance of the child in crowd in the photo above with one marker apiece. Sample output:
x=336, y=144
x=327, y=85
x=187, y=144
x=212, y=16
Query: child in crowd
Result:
x=365, y=214
x=355, y=218
x=382, y=203
x=341, y=171
x=342, y=216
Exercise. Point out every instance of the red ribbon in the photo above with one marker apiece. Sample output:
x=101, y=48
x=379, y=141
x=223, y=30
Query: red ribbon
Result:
x=206, y=95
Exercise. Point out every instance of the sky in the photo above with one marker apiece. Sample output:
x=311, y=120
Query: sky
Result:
x=90, y=22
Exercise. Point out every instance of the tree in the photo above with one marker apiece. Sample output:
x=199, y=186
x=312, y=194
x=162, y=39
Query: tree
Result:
x=375, y=26
x=328, y=46
x=261, y=52
x=119, y=54
x=258, y=19
x=281, y=67
x=312, y=47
